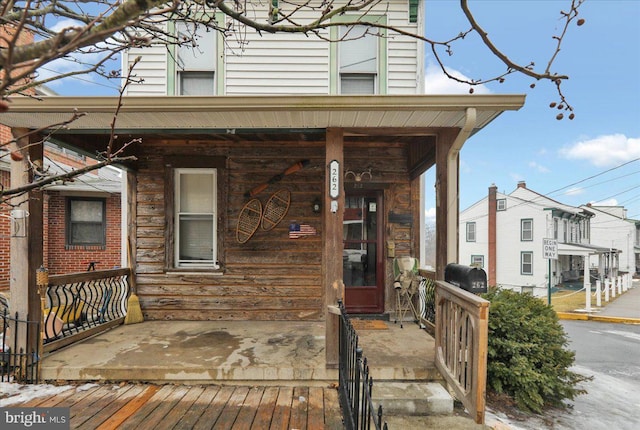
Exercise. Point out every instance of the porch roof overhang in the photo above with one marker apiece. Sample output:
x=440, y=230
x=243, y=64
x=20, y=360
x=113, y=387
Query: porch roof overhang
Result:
x=233, y=114
x=584, y=249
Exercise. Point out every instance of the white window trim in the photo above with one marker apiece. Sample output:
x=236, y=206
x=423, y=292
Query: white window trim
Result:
x=522, y=229
x=213, y=264
x=469, y=224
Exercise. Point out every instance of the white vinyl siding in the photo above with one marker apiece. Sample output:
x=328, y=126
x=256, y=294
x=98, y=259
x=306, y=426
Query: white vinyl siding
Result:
x=195, y=218
x=150, y=73
x=291, y=64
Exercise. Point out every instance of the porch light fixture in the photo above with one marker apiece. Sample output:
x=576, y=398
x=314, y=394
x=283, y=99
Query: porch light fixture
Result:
x=358, y=177
x=317, y=205
x=19, y=222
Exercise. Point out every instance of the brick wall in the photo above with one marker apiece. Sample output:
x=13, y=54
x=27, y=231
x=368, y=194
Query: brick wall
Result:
x=60, y=260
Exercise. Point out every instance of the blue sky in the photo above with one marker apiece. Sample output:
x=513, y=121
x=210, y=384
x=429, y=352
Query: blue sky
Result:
x=602, y=58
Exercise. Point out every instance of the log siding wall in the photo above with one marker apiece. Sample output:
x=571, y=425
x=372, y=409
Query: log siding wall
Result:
x=270, y=277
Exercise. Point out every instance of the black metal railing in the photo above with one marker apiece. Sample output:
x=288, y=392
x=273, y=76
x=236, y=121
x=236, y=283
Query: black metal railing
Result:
x=427, y=300
x=84, y=302
x=18, y=364
x=356, y=384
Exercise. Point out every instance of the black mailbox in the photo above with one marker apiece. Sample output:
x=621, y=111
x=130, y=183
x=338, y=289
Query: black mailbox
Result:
x=472, y=279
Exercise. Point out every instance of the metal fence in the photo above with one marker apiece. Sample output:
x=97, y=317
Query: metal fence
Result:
x=81, y=304
x=356, y=384
x=17, y=364
x=427, y=301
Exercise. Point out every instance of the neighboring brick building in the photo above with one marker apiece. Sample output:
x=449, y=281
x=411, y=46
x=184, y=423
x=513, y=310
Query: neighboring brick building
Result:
x=81, y=218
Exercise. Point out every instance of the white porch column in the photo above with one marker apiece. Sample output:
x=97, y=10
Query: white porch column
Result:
x=587, y=283
x=613, y=287
x=598, y=293
x=606, y=289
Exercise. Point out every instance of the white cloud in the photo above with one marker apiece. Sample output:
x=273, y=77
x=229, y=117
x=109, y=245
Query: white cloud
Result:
x=516, y=177
x=430, y=214
x=608, y=202
x=574, y=191
x=604, y=151
x=538, y=167
x=437, y=82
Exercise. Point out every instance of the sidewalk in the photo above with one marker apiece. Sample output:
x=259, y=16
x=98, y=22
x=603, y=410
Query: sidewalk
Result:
x=623, y=309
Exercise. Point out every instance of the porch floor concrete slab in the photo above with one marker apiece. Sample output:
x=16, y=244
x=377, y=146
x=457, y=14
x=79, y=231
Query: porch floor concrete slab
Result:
x=235, y=352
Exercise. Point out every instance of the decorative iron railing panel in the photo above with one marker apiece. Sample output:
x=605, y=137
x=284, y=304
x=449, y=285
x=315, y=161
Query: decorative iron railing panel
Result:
x=79, y=302
x=427, y=301
x=16, y=364
x=356, y=384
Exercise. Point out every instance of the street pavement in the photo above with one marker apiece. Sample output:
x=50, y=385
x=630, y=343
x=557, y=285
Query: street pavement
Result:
x=625, y=308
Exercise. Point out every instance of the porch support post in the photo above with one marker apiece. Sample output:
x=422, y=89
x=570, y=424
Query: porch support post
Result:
x=447, y=192
x=26, y=244
x=443, y=146
x=332, y=255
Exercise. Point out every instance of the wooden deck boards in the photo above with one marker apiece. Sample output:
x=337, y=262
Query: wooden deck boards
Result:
x=135, y=406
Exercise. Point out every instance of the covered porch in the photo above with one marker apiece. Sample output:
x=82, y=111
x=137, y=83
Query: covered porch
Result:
x=273, y=279
x=237, y=352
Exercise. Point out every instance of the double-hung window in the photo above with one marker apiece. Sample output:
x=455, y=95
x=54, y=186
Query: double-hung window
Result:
x=526, y=263
x=477, y=260
x=195, y=218
x=526, y=230
x=471, y=232
x=196, y=60
x=358, y=60
x=86, y=222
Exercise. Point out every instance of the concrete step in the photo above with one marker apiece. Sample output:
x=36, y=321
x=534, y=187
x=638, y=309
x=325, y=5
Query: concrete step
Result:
x=432, y=422
x=412, y=398
x=420, y=405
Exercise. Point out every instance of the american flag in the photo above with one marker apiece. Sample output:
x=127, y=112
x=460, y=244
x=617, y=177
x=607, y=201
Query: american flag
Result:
x=300, y=230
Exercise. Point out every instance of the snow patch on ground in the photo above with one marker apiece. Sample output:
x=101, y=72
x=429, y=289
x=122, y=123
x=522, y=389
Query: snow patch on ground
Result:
x=610, y=403
x=12, y=393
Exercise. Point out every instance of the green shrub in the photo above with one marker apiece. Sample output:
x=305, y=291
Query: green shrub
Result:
x=527, y=355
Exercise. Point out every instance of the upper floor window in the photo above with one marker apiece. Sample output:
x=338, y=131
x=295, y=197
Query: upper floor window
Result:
x=358, y=60
x=86, y=222
x=565, y=229
x=196, y=60
x=526, y=229
x=471, y=232
x=501, y=204
x=195, y=218
x=555, y=228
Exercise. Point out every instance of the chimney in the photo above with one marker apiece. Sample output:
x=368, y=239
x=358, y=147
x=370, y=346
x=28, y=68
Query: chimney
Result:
x=522, y=184
x=493, y=206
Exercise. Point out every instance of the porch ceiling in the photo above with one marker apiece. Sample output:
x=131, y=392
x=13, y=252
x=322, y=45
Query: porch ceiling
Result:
x=229, y=114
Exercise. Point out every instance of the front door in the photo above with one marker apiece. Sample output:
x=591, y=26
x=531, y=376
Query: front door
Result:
x=362, y=255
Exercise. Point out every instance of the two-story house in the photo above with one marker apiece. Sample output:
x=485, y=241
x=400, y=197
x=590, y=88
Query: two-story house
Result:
x=505, y=234
x=266, y=161
x=611, y=227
